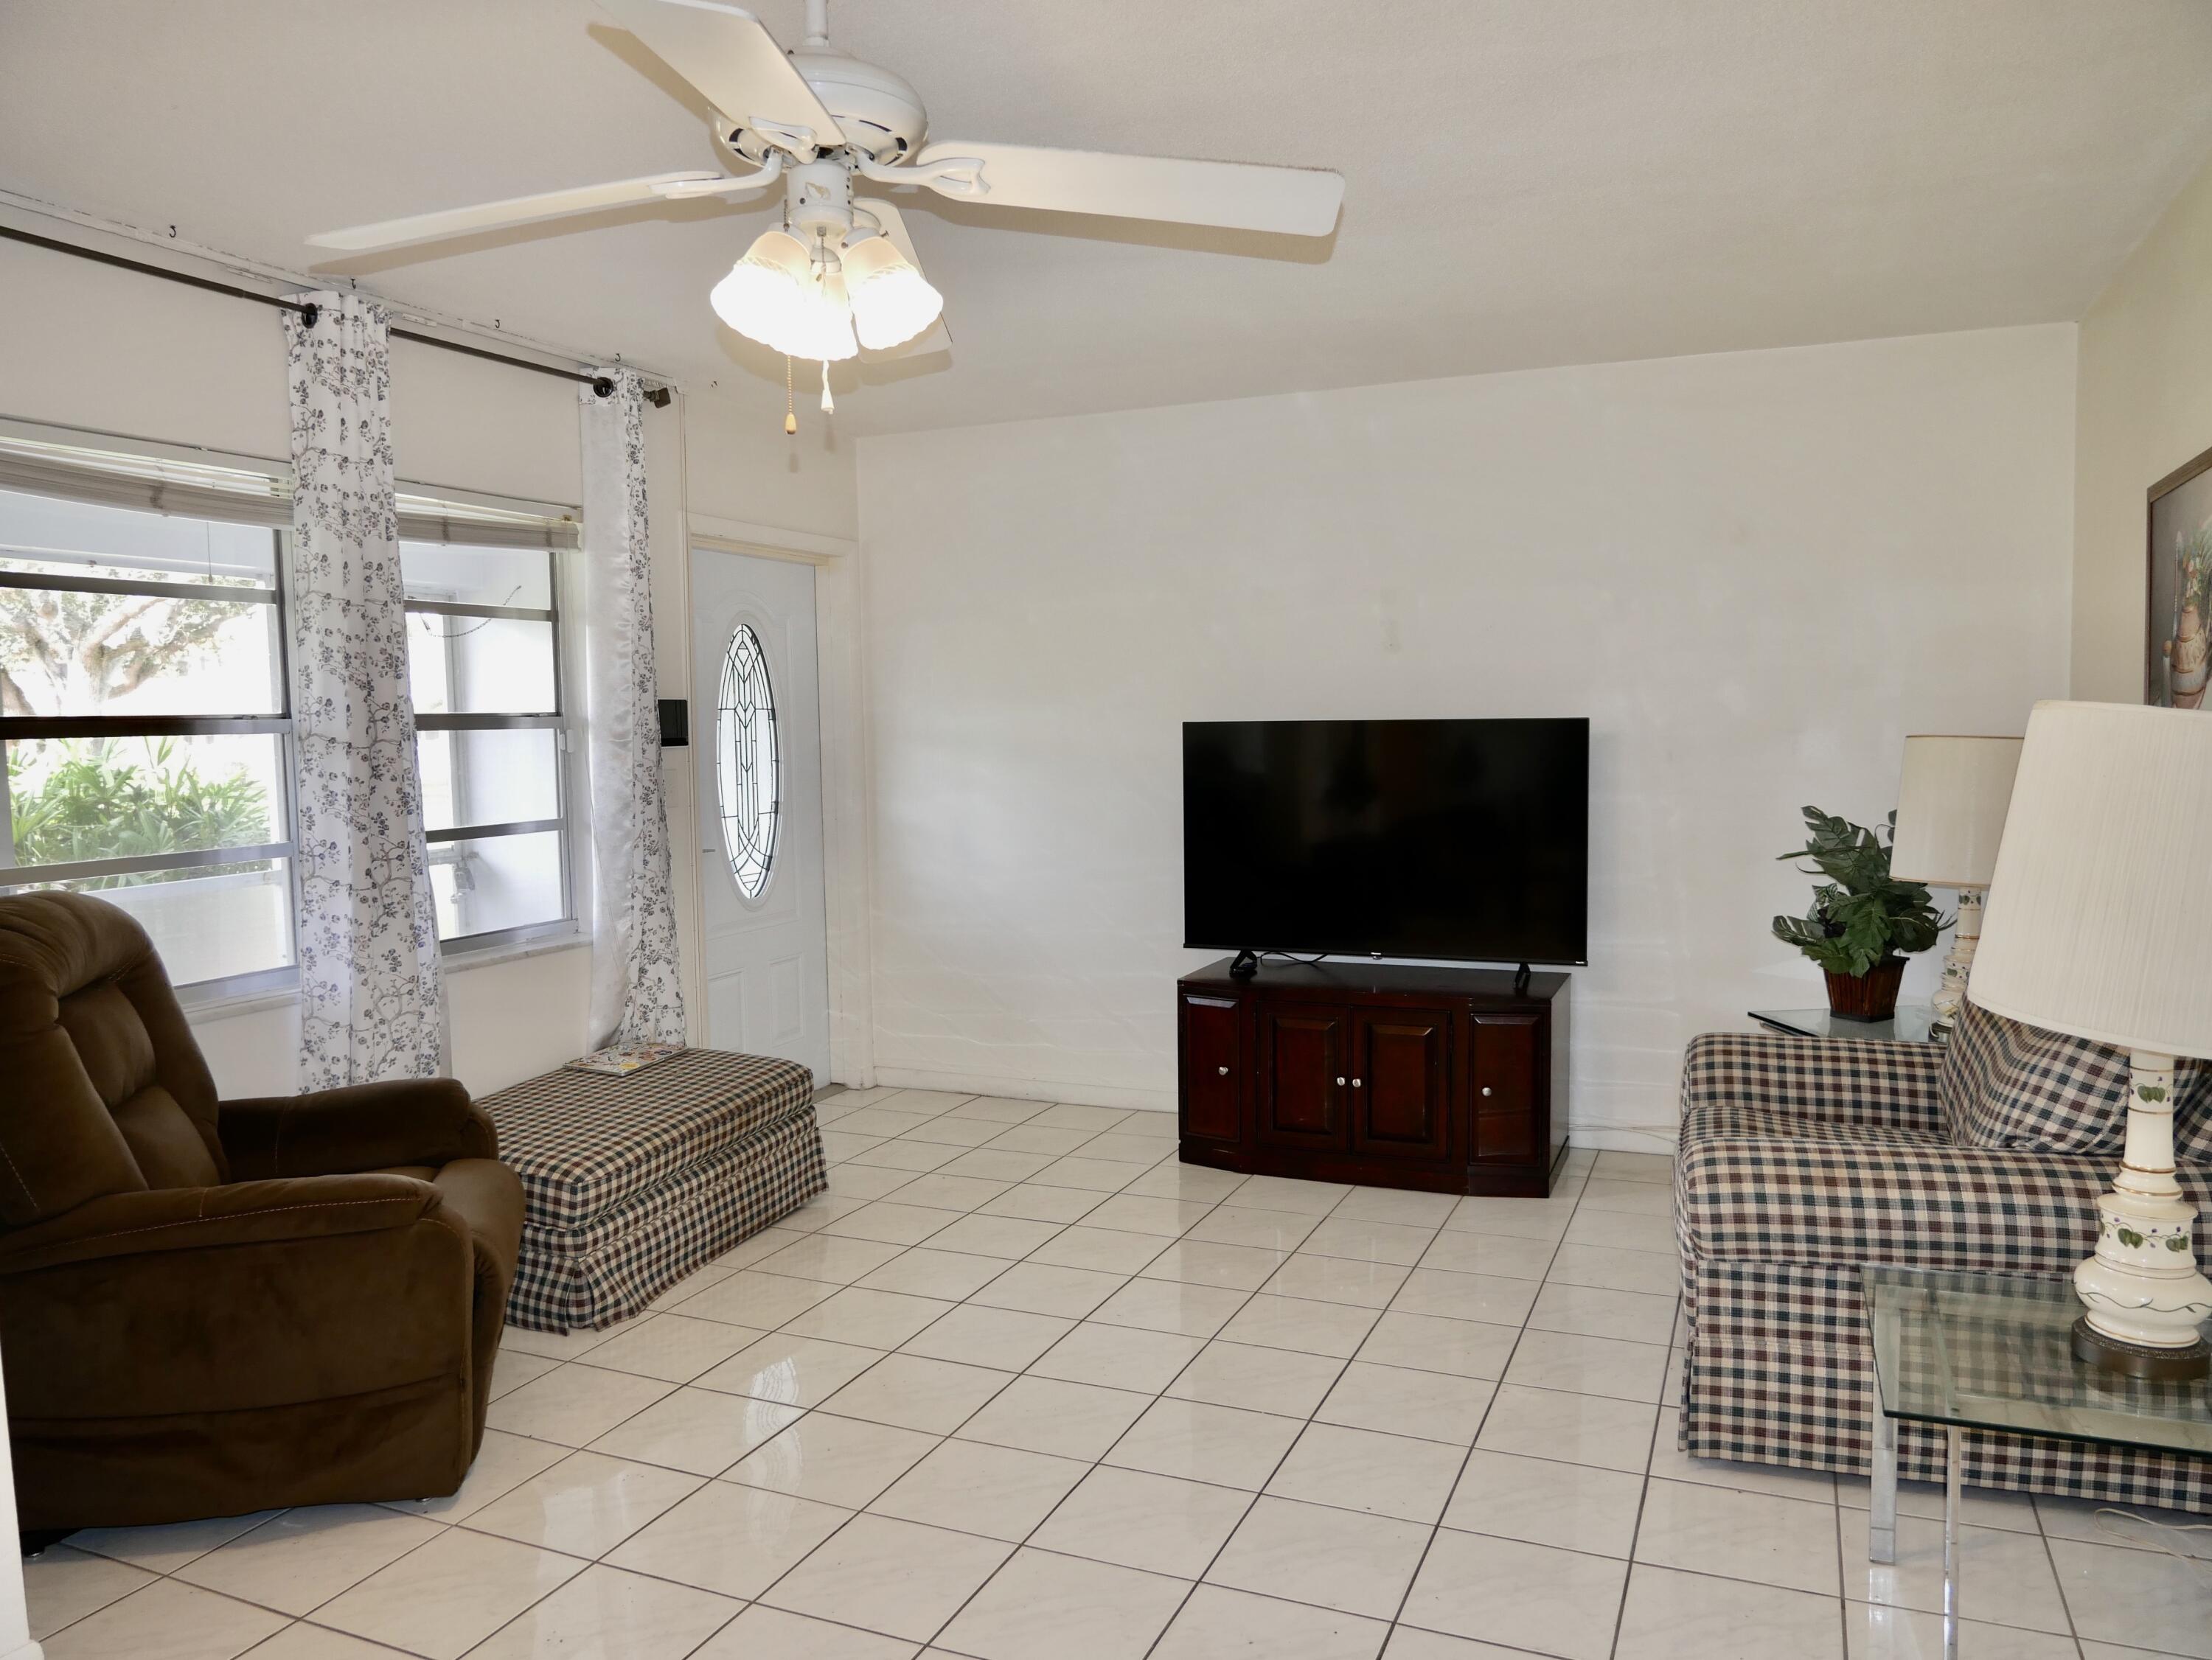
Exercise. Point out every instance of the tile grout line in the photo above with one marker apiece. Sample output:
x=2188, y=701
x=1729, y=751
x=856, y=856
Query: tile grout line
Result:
x=1343, y=1366
x=1397, y=1618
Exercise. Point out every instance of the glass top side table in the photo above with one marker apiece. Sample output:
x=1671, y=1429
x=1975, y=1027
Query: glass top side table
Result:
x=1913, y=1024
x=1977, y=1351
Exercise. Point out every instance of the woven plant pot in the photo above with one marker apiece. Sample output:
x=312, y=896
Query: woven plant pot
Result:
x=1868, y=997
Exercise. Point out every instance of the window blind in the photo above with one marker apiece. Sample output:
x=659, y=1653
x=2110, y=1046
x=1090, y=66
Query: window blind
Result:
x=186, y=489
x=194, y=490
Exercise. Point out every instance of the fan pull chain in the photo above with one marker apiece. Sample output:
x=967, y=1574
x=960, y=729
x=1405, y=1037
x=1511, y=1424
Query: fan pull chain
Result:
x=790, y=417
x=828, y=404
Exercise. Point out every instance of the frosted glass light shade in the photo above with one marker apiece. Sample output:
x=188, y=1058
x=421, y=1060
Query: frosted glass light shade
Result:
x=2100, y=918
x=762, y=296
x=824, y=332
x=1951, y=807
x=892, y=301
x=773, y=295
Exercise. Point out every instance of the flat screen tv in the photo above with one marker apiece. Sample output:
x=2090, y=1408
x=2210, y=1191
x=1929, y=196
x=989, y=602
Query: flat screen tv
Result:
x=1464, y=839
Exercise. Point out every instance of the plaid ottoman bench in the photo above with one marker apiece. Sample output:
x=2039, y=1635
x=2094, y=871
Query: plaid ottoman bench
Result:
x=631, y=1183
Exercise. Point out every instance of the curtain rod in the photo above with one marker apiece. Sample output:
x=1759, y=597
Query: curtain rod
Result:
x=598, y=383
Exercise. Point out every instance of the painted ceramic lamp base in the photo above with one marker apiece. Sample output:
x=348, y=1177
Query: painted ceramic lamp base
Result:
x=2145, y=1299
x=1960, y=963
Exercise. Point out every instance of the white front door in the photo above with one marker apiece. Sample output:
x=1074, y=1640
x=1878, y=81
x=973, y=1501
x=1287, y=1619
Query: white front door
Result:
x=758, y=735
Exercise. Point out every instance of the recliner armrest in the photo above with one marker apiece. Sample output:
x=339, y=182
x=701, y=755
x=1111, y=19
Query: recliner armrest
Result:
x=239, y=1297
x=172, y=1219
x=369, y=1126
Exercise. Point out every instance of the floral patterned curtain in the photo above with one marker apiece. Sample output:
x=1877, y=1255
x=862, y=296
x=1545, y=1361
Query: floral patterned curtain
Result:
x=637, y=996
x=370, y=997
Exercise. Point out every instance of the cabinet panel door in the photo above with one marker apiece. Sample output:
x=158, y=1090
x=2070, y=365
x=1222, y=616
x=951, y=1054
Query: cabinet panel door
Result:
x=1400, y=1082
x=1505, y=1087
x=1213, y=1066
x=1302, y=1076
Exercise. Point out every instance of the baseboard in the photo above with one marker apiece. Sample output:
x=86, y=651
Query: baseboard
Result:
x=1620, y=1138
x=1600, y=1137
x=1026, y=1089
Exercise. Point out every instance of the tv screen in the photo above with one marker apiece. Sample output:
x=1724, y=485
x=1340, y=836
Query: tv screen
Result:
x=1454, y=838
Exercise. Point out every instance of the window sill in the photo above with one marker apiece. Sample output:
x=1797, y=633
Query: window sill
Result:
x=490, y=956
x=236, y=1005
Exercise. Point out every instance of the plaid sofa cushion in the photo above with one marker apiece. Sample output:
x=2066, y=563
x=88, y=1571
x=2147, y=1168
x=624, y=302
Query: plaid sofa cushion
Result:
x=585, y=1144
x=2192, y=1113
x=2006, y=1085
x=1766, y=1187
x=1766, y=1173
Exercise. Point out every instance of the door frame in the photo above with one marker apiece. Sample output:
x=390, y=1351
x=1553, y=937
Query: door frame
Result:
x=848, y=852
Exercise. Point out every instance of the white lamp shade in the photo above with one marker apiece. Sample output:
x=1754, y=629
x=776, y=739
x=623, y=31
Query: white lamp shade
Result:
x=773, y=296
x=892, y=301
x=762, y=295
x=1950, y=810
x=2100, y=919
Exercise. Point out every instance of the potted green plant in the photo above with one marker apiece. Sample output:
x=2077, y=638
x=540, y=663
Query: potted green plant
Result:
x=1863, y=922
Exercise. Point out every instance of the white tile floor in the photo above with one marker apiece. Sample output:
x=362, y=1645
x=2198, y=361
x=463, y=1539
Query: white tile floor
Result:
x=1021, y=1387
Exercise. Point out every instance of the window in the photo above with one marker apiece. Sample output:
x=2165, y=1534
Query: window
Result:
x=144, y=703
x=145, y=711
x=483, y=657
x=746, y=768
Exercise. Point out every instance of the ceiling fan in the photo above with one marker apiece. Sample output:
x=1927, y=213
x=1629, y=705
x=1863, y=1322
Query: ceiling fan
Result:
x=840, y=273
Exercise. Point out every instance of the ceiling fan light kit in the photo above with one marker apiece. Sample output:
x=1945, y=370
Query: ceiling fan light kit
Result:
x=840, y=276
x=892, y=301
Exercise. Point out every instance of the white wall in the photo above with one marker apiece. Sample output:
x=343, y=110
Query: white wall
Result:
x=115, y=352
x=2145, y=409
x=1756, y=573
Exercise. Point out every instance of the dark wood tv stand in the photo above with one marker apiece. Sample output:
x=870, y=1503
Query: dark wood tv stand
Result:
x=1449, y=1079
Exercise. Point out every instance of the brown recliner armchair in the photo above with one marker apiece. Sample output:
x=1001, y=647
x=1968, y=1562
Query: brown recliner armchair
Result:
x=213, y=1307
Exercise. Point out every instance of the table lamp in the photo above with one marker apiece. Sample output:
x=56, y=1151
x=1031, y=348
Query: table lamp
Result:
x=1950, y=816
x=2100, y=925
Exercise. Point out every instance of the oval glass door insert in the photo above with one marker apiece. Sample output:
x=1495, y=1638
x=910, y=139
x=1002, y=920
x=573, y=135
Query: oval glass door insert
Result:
x=744, y=740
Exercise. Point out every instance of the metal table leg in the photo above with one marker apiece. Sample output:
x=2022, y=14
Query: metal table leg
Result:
x=1881, y=1525
x=1954, y=1476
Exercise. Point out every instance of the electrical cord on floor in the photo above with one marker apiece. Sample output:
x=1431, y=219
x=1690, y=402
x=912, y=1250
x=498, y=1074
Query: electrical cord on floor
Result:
x=2196, y=1565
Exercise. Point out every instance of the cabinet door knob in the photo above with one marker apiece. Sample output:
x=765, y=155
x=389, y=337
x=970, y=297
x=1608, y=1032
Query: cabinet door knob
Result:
x=1340, y=1083
x=1223, y=1070
x=1355, y=1083
x=1486, y=1089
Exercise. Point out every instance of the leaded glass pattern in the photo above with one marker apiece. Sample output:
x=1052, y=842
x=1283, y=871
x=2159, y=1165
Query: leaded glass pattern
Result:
x=746, y=775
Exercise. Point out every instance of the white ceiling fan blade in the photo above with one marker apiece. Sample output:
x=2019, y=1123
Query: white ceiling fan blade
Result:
x=936, y=338
x=515, y=210
x=731, y=59
x=1238, y=194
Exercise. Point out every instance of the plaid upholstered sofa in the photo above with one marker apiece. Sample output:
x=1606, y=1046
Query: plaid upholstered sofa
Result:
x=1801, y=1159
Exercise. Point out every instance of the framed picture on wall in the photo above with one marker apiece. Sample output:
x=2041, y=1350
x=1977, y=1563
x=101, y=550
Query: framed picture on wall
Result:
x=2178, y=630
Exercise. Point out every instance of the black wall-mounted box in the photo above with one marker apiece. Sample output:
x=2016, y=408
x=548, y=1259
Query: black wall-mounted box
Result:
x=675, y=722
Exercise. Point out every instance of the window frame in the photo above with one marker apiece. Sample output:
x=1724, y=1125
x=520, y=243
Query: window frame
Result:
x=561, y=721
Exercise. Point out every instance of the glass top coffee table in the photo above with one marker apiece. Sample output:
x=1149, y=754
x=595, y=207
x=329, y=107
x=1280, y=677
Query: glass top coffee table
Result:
x=1977, y=1351
x=1914, y=1022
